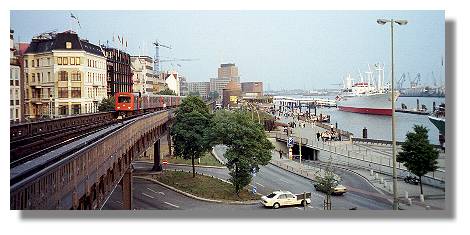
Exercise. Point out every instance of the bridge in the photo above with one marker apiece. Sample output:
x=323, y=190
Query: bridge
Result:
x=85, y=178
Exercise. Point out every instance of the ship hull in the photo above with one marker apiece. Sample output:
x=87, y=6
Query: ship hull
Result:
x=376, y=104
x=439, y=123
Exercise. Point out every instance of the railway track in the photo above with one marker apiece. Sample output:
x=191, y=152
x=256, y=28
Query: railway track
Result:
x=27, y=166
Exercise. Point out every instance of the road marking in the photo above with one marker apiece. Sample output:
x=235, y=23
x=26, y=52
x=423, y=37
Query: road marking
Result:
x=172, y=204
x=283, y=181
x=299, y=208
x=259, y=184
x=148, y=195
x=162, y=193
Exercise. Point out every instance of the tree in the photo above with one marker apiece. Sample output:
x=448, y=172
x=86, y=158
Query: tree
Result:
x=213, y=95
x=418, y=155
x=107, y=104
x=189, y=132
x=248, y=146
x=166, y=91
x=326, y=183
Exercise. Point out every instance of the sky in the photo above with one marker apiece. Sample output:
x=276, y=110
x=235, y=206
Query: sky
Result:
x=283, y=49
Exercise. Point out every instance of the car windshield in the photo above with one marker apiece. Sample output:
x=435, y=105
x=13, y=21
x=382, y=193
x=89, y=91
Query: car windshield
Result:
x=271, y=195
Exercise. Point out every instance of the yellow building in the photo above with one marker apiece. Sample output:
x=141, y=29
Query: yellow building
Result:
x=64, y=75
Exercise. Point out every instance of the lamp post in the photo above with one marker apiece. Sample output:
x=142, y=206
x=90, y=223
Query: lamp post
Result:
x=394, y=147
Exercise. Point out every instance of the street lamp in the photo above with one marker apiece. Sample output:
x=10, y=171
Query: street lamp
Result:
x=394, y=146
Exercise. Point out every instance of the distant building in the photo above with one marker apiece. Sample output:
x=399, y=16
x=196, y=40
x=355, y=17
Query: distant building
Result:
x=16, y=85
x=231, y=95
x=172, y=80
x=228, y=71
x=203, y=88
x=142, y=74
x=225, y=74
x=252, y=89
x=119, y=74
x=183, y=86
x=64, y=75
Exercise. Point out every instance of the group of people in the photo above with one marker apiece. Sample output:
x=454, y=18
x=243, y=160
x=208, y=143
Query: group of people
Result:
x=328, y=135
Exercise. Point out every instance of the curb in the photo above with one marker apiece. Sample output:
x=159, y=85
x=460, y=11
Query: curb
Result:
x=199, y=198
x=182, y=164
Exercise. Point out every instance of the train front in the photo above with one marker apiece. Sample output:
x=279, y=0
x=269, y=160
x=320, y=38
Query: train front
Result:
x=125, y=103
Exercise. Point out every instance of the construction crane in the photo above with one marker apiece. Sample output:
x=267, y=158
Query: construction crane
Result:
x=156, y=62
x=175, y=60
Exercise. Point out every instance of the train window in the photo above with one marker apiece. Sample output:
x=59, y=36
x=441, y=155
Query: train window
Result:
x=124, y=99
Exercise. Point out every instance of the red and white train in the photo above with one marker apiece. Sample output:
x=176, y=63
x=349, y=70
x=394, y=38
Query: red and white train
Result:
x=130, y=103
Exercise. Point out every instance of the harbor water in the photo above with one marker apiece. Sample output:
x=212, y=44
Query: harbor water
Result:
x=379, y=127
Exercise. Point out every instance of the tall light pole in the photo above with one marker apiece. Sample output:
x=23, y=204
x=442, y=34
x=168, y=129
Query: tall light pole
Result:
x=394, y=146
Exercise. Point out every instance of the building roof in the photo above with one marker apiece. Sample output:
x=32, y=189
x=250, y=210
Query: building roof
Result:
x=58, y=42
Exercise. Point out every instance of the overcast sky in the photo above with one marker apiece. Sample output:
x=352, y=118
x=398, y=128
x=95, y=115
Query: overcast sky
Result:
x=283, y=49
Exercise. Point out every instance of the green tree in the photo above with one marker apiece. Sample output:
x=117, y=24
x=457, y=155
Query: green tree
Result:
x=248, y=146
x=107, y=104
x=213, y=95
x=326, y=183
x=189, y=132
x=418, y=155
x=166, y=91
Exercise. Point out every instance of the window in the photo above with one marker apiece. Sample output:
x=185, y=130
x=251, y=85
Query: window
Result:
x=17, y=83
x=72, y=60
x=12, y=102
x=49, y=76
x=32, y=63
x=124, y=99
x=11, y=83
x=77, y=60
x=33, y=77
x=68, y=45
x=17, y=102
x=48, y=61
x=63, y=76
x=26, y=63
x=65, y=60
x=63, y=92
x=39, y=77
x=76, y=109
x=76, y=92
x=76, y=76
x=63, y=110
x=59, y=60
x=37, y=62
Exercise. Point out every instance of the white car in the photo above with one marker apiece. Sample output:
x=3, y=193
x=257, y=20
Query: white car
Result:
x=284, y=198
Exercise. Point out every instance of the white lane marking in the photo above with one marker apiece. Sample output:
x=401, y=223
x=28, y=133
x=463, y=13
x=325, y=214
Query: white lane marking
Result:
x=148, y=195
x=172, y=204
x=162, y=193
x=283, y=181
x=259, y=184
x=299, y=208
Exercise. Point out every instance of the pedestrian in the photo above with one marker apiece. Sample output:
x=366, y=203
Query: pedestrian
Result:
x=318, y=136
x=280, y=154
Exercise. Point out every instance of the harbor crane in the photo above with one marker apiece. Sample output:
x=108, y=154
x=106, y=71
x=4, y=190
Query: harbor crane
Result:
x=156, y=62
x=415, y=82
x=401, y=81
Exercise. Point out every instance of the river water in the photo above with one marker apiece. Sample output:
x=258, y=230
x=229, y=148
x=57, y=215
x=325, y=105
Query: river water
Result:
x=379, y=127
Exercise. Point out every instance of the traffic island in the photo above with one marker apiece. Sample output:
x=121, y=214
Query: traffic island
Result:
x=204, y=187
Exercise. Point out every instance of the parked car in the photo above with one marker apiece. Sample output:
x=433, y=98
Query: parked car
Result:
x=412, y=180
x=285, y=198
x=338, y=189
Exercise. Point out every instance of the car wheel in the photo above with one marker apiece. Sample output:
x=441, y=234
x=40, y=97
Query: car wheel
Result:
x=276, y=205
